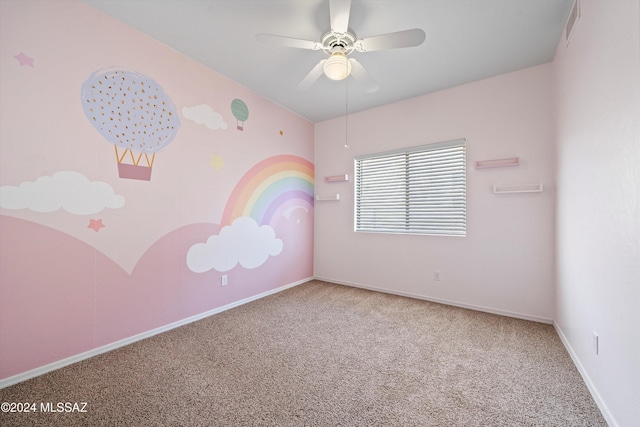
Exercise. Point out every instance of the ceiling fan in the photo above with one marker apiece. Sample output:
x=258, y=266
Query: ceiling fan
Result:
x=341, y=41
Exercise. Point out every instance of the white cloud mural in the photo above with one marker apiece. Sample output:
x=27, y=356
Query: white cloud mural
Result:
x=243, y=242
x=204, y=114
x=68, y=190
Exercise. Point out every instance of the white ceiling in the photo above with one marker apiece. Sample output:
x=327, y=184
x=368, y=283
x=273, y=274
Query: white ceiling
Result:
x=467, y=40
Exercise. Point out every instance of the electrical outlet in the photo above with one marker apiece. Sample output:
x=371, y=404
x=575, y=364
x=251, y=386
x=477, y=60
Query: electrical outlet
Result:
x=436, y=276
x=596, y=343
x=224, y=280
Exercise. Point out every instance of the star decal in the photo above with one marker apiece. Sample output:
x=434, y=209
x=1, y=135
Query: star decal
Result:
x=216, y=162
x=95, y=224
x=24, y=59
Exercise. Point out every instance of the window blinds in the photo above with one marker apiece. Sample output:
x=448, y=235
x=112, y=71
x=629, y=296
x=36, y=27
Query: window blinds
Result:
x=416, y=190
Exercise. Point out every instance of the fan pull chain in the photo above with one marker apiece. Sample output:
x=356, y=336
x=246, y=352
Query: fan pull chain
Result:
x=346, y=115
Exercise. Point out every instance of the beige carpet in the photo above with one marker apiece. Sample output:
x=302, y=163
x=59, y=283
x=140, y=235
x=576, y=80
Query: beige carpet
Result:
x=322, y=354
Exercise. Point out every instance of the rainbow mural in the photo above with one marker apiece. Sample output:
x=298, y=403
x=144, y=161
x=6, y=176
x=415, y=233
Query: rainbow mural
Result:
x=270, y=189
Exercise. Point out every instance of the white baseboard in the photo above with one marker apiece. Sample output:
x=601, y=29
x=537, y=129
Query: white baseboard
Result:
x=105, y=348
x=442, y=301
x=587, y=380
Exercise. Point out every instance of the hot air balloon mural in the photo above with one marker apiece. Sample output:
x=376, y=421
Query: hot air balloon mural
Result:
x=240, y=112
x=132, y=112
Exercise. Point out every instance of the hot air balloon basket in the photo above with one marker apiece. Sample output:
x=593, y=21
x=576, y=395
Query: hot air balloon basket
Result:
x=138, y=172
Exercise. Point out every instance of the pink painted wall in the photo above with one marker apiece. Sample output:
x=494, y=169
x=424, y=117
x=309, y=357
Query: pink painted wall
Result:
x=88, y=258
x=505, y=263
x=597, y=87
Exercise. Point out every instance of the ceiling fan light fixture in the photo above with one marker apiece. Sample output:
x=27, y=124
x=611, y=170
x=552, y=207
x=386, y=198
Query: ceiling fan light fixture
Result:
x=338, y=66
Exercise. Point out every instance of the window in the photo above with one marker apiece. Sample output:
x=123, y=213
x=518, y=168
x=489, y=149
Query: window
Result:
x=419, y=190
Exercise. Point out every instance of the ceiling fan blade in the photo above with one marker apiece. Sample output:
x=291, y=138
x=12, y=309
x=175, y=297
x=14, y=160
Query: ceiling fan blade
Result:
x=313, y=75
x=362, y=75
x=407, y=38
x=339, y=13
x=274, y=40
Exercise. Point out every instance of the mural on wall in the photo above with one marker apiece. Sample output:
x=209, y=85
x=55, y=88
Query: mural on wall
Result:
x=240, y=112
x=96, y=224
x=24, y=59
x=243, y=242
x=216, y=162
x=67, y=190
x=273, y=188
x=204, y=115
x=115, y=249
x=132, y=112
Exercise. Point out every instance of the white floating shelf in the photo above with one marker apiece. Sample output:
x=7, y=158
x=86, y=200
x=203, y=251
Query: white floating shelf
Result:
x=498, y=163
x=328, y=197
x=525, y=188
x=337, y=178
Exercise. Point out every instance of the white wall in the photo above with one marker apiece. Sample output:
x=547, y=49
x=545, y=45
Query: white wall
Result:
x=597, y=86
x=505, y=263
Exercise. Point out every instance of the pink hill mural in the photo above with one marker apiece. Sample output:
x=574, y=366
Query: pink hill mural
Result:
x=84, y=300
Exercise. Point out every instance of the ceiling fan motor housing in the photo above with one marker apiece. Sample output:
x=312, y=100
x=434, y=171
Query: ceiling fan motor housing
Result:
x=332, y=41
